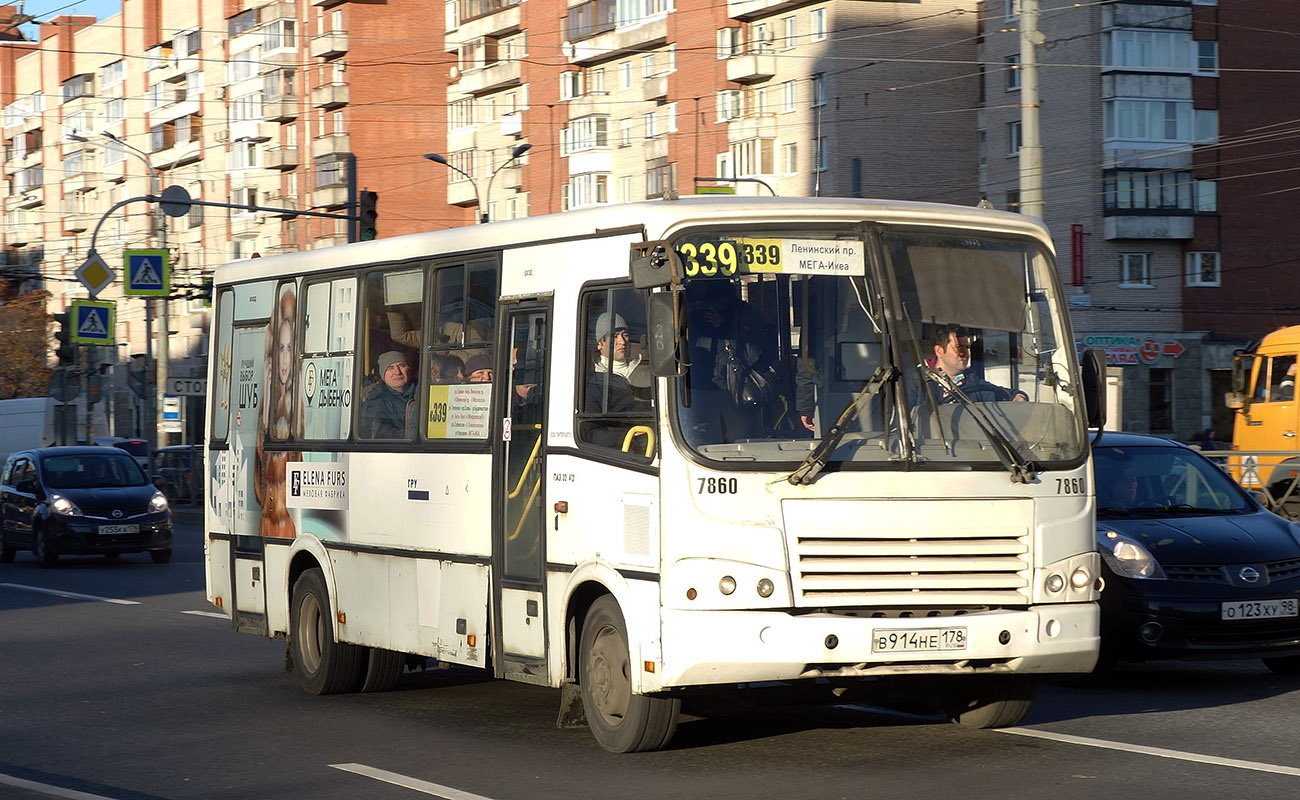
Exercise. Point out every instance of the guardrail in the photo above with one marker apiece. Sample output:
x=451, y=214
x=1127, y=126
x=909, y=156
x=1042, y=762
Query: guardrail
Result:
x=1258, y=471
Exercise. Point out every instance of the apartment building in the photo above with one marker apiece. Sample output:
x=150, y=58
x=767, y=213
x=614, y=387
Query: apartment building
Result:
x=1166, y=130
x=301, y=104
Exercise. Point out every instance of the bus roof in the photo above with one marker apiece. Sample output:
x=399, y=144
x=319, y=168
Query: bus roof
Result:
x=658, y=218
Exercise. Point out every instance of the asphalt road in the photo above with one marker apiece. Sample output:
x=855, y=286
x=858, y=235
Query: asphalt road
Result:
x=118, y=681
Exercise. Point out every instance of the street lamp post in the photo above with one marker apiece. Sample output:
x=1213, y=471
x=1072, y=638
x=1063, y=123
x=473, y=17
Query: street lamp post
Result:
x=482, y=210
x=160, y=226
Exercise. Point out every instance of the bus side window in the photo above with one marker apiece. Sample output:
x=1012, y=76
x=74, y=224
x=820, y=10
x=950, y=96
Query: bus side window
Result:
x=388, y=364
x=616, y=407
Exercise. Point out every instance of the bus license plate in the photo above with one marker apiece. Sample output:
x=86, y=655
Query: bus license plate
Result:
x=923, y=640
x=117, y=529
x=1259, y=609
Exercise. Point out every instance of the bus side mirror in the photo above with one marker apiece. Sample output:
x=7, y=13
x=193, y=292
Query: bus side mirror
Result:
x=653, y=264
x=664, y=336
x=1094, y=386
x=1234, y=400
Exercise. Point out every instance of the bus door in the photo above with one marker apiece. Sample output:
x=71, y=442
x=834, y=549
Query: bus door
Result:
x=519, y=541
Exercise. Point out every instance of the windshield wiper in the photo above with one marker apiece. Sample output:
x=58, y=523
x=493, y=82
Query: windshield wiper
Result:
x=815, y=461
x=1022, y=471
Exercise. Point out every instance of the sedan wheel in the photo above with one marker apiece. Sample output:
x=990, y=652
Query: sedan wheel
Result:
x=47, y=550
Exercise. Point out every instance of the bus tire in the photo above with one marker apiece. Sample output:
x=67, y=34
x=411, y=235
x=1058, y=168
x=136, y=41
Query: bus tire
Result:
x=382, y=669
x=321, y=665
x=989, y=703
x=621, y=722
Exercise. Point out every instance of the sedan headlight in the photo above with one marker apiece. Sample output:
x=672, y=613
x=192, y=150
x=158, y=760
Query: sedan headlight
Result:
x=158, y=502
x=1128, y=558
x=63, y=506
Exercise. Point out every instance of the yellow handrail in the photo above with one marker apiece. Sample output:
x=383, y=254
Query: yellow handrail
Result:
x=639, y=430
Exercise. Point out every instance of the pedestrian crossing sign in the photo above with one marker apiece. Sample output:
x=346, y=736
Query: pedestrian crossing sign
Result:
x=93, y=321
x=147, y=273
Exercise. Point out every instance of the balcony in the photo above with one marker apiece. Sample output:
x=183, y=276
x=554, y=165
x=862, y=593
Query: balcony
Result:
x=329, y=197
x=281, y=157
x=512, y=177
x=331, y=95
x=80, y=182
x=280, y=109
x=246, y=226
x=655, y=148
x=280, y=201
x=331, y=144
x=253, y=130
x=273, y=12
x=19, y=235
x=749, y=9
x=655, y=88
x=332, y=3
x=588, y=105
x=175, y=68
x=610, y=44
x=512, y=124
x=461, y=193
x=752, y=126
x=490, y=78
x=1154, y=226
x=461, y=139
x=329, y=45
x=177, y=155
x=751, y=68
x=78, y=222
x=494, y=23
x=26, y=198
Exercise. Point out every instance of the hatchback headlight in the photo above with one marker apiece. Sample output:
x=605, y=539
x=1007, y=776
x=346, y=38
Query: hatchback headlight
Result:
x=63, y=506
x=158, y=502
x=1128, y=558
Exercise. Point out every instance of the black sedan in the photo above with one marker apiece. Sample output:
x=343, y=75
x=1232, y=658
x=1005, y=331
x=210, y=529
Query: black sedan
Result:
x=1194, y=566
x=81, y=500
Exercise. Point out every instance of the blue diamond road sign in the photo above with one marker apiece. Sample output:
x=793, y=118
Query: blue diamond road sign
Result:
x=147, y=273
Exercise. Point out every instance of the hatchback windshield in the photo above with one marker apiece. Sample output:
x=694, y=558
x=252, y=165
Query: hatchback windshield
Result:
x=92, y=471
x=1163, y=480
x=949, y=351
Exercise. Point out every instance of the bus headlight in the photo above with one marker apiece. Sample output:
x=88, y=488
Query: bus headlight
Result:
x=727, y=585
x=1054, y=582
x=765, y=587
x=1080, y=578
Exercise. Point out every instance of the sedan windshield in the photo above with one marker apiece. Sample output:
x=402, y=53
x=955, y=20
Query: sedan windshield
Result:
x=1163, y=480
x=92, y=471
x=789, y=354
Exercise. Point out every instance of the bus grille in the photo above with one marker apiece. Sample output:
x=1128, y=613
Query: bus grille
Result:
x=967, y=559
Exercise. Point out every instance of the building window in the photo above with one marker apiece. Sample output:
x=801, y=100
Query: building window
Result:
x=1010, y=9
x=1156, y=190
x=587, y=133
x=625, y=75
x=787, y=97
x=787, y=33
x=588, y=190
x=625, y=189
x=78, y=86
x=1160, y=403
x=570, y=85
x=648, y=66
x=728, y=105
x=279, y=34
x=1207, y=58
x=330, y=172
x=728, y=43
x=1203, y=268
x=982, y=146
x=111, y=75
x=817, y=24
x=1013, y=139
x=1207, y=125
x=659, y=179
x=1207, y=197
x=1013, y=201
x=648, y=121
x=1013, y=72
x=1148, y=120
x=1135, y=270
x=789, y=158
x=1142, y=48
x=752, y=157
x=818, y=89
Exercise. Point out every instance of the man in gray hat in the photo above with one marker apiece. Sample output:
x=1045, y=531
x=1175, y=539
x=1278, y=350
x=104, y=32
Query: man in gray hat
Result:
x=618, y=383
x=384, y=409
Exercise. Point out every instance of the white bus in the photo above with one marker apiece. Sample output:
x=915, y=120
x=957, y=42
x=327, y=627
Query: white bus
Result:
x=633, y=450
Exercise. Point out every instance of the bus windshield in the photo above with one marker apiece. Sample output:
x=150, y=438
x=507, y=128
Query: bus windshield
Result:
x=947, y=351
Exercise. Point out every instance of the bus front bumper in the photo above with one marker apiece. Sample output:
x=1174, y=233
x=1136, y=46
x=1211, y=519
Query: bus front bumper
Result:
x=713, y=647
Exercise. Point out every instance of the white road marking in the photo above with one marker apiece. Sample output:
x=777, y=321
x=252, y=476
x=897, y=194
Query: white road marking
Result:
x=445, y=792
x=1158, y=752
x=68, y=595
x=216, y=614
x=45, y=788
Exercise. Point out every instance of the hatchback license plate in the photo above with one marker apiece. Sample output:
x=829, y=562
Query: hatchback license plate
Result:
x=1259, y=609
x=917, y=640
x=112, y=529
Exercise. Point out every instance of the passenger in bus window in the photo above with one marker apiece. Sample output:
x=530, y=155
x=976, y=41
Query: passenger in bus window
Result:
x=479, y=369
x=446, y=368
x=952, y=345
x=385, y=408
x=630, y=377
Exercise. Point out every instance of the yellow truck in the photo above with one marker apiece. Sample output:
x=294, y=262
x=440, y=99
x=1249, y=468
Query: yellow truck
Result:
x=1267, y=420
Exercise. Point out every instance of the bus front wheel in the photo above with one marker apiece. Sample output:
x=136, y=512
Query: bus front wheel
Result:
x=621, y=721
x=321, y=665
x=989, y=703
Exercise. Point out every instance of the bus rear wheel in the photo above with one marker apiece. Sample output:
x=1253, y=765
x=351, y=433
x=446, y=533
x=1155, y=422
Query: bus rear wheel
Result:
x=321, y=665
x=621, y=721
x=381, y=670
x=989, y=703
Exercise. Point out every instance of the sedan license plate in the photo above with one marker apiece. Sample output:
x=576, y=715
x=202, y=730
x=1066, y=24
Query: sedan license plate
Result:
x=1259, y=609
x=115, y=529
x=917, y=640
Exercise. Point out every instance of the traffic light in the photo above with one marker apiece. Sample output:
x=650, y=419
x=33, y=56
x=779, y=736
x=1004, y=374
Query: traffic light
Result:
x=65, y=351
x=367, y=215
